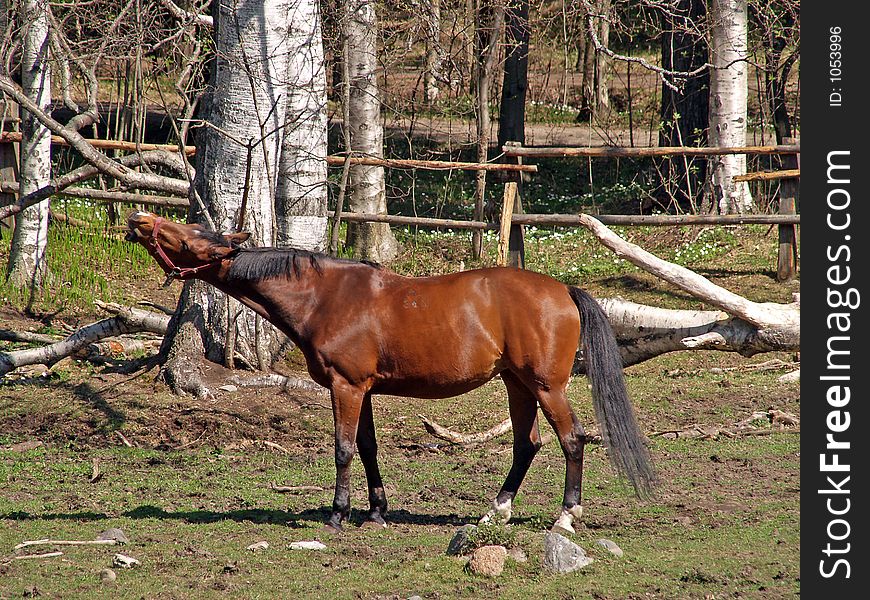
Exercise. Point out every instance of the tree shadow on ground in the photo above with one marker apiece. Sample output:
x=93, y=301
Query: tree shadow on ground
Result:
x=293, y=520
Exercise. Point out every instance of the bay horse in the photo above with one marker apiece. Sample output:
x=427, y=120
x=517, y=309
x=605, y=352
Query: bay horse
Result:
x=365, y=330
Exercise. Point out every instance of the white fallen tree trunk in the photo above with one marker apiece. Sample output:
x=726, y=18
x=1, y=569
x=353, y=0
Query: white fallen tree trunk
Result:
x=126, y=320
x=740, y=325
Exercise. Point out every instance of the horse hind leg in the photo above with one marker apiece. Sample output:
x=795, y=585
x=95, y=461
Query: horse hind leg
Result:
x=527, y=442
x=367, y=447
x=572, y=438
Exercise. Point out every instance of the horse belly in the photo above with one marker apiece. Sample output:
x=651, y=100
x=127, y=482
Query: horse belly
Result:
x=438, y=368
x=430, y=387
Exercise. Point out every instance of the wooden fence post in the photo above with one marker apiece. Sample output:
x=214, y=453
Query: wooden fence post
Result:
x=504, y=232
x=516, y=243
x=786, y=266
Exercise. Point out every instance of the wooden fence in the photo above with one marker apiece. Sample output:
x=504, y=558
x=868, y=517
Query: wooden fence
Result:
x=511, y=246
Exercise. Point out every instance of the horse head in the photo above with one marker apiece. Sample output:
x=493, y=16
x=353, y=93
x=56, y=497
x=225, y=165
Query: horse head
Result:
x=181, y=250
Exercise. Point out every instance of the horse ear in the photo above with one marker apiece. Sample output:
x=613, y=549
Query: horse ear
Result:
x=236, y=239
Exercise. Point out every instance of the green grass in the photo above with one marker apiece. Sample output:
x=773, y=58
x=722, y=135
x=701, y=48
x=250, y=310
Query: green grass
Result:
x=724, y=522
x=86, y=263
x=190, y=515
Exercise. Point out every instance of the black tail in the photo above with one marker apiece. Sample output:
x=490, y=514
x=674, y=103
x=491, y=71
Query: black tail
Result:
x=619, y=428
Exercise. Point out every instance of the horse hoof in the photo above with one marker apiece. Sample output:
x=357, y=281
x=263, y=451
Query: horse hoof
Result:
x=561, y=530
x=374, y=524
x=332, y=528
x=495, y=517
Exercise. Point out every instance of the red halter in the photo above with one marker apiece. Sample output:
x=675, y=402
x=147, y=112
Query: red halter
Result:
x=173, y=272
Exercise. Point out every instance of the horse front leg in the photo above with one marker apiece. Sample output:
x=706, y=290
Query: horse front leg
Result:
x=367, y=446
x=347, y=402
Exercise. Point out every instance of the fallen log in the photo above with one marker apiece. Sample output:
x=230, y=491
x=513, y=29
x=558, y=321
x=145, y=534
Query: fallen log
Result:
x=288, y=384
x=461, y=438
x=27, y=337
x=126, y=320
x=739, y=325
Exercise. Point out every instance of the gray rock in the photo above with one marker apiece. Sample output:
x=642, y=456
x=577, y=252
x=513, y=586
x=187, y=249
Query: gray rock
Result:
x=461, y=542
x=561, y=555
x=113, y=533
x=610, y=546
x=308, y=545
x=518, y=554
x=488, y=561
x=415, y=597
x=107, y=576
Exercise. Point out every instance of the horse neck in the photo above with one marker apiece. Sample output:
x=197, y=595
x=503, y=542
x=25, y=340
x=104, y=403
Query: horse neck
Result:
x=287, y=302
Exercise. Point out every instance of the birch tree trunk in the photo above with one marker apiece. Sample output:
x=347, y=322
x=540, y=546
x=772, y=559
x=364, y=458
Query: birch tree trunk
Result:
x=728, y=103
x=602, y=63
x=595, y=86
x=370, y=241
x=247, y=100
x=27, y=255
x=300, y=198
x=434, y=56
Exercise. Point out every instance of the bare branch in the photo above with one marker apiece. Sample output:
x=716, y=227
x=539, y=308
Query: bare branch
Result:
x=187, y=16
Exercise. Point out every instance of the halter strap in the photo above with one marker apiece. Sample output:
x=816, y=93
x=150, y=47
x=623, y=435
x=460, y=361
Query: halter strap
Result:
x=173, y=272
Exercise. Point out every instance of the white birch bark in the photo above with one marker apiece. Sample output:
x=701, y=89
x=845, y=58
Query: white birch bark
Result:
x=301, y=194
x=434, y=51
x=371, y=241
x=27, y=256
x=602, y=76
x=728, y=103
x=743, y=326
x=247, y=101
x=127, y=320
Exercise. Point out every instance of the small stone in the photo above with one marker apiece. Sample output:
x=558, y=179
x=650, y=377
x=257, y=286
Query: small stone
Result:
x=488, y=561
x=125, y=562
x=113, y=533
x=258, y=547
x=461, y=541
x=561, y=555
x=415, y=597
x=229, y=388
x=792, y=377
x=108, y=576
x=309, y=545
x=518, y=554
x=610, y=546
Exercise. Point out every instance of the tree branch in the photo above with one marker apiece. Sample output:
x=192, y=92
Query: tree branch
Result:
x=97, y=159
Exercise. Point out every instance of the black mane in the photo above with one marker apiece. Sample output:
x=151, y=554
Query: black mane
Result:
x=256, y=264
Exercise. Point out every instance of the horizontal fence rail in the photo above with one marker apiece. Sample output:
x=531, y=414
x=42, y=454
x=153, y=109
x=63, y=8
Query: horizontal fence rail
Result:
x=14, y=137
x=574, y=220
x=640, y=152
